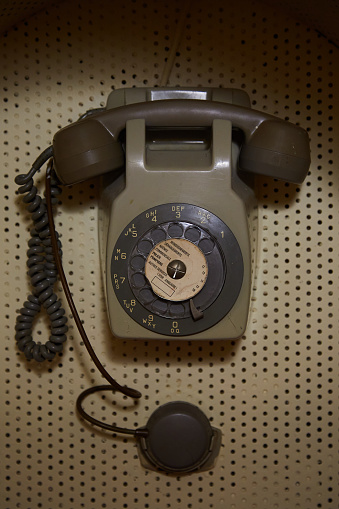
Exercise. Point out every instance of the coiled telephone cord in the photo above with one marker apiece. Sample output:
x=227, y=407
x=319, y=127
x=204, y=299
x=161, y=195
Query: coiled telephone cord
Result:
x=44, y=263
x=42, y=271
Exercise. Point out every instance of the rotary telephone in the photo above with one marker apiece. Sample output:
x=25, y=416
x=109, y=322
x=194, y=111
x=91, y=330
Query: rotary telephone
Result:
x=176, y=167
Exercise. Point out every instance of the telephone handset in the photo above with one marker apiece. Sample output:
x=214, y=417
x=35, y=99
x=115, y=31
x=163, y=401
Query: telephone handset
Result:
x=91, y=147
x=173, y=227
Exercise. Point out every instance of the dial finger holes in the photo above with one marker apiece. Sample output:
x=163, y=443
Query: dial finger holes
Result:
x=158, y=235
x=137, y=263
x=159, y=306
x=177, y=310
x=206, y=246
x=192, y=234
x=146, y=296
x=145, y=246
x=175, y=230
x=138, y=280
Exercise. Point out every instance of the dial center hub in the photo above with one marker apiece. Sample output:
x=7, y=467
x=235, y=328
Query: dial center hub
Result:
x=176, y=269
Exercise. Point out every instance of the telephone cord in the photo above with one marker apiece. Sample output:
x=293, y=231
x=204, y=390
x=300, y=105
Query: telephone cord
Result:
x=42, y=272
x=44, y=263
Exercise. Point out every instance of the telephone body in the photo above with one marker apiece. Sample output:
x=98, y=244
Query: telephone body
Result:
x=177, y=171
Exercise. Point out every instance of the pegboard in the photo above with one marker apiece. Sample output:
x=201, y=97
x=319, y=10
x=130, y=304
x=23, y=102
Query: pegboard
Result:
x=273, y=392
x=13, y=11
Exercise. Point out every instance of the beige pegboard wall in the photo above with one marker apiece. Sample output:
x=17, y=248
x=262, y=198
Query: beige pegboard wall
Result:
x=273, y=392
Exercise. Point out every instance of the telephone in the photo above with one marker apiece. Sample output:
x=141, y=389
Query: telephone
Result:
x=176, y=167
x=177, y=262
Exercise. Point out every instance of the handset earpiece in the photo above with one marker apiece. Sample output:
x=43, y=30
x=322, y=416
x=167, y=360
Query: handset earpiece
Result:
x=91, y=147
x=277, y=149
x=84, y=150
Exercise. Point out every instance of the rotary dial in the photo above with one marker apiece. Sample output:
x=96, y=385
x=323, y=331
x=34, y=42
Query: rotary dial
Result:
x=176, y=269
